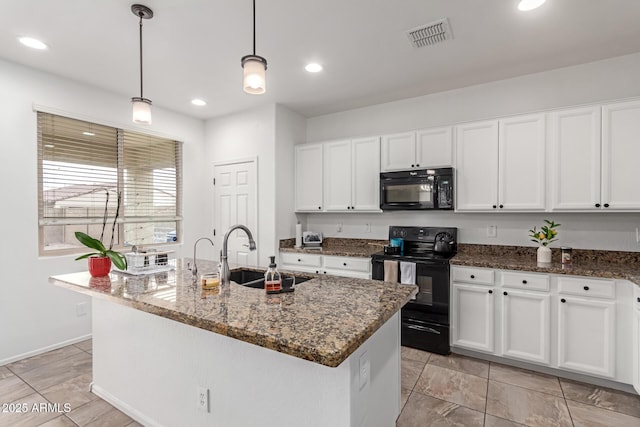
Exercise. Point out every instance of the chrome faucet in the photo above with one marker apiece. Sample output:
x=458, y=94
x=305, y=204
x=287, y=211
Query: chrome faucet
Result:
x=194, y=269
x=224, y=269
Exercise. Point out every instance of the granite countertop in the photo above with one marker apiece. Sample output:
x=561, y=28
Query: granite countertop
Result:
x=591, y=263
x=325, y=320
x=338, y=247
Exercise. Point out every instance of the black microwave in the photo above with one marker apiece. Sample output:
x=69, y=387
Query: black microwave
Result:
x=417, y=189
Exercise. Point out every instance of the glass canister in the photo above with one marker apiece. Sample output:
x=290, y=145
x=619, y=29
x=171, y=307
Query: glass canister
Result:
x=566, y=255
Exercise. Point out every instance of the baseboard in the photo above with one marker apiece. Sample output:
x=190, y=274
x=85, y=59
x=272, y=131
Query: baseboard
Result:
x=43, y=350
x=600, y=382
x=123, y=407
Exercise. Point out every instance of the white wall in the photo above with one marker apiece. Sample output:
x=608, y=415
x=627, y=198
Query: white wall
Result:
x=34, y=314
x=611, y=79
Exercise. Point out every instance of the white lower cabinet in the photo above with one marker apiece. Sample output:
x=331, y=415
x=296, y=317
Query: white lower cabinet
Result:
x=472, y=321
x=636, y=340
x=326, y=264
x=525, y=325
x=586, y=335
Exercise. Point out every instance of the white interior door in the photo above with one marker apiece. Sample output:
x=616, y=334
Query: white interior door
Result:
x=235, y=202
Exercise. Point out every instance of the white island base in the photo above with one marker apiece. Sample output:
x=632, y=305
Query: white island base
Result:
x=152, y=368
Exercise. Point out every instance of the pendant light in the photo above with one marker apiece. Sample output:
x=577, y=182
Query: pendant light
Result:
x=141, y=105
x=254, y=67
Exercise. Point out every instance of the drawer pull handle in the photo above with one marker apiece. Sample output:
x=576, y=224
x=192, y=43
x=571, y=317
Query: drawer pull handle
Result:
x=563, y=300
x=473, y=277
x=586, y=288
x=524, y=282
x=490, y=291
x=505, y=293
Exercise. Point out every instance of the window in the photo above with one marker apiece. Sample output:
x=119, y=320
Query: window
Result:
x=83, y=167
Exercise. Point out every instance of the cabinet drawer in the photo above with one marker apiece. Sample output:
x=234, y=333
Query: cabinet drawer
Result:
x=347, y=263
x=480, y=276
x=586, y=287
x=307, y=260
x=535, y=282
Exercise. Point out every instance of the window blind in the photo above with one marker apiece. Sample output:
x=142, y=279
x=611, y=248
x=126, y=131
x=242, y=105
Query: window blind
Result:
x=81, y=165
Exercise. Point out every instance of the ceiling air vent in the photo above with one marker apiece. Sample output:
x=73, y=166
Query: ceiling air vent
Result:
x=428, y=34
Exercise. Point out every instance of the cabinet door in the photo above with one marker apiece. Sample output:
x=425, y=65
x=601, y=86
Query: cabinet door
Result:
x=398, y=151
x=477, y=166
x=521, y=163
x=525, y=325
x=434, y=148
x=308, y=177
x=337, y=176
x=575, y=159
x=636, y=348
x=365, y=174
x=586, y=335
x=620, y=154
x=472, y=317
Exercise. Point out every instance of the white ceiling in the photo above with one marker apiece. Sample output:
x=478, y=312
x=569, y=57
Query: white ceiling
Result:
x=192, y=48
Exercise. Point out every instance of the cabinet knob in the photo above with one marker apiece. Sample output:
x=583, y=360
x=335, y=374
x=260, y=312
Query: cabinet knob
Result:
x=597, y=205
x=606, y=205
x=490, y=291
x=563, y=300
x=348, y=207
x=505, y=293
x=299, y=260
x=586, y=288
x=494, y=206
x=417, y=165
x=319, y=207
x=413, y=166
x=473, y=277
x=353, y=207
x=524, y=282
x=501, y=206
x=344, y=263
x=317, y=271
x=638, y=299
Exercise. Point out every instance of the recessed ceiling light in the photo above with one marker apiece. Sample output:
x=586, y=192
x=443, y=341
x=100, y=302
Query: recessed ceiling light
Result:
x=313, y=67
x=32, y=43
x=526, y=5
x=199, y=102
x=89, y=133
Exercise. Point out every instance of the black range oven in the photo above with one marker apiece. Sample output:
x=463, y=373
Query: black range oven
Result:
x=425, y=319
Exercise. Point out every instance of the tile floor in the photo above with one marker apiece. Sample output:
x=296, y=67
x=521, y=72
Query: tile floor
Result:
x=436, y=391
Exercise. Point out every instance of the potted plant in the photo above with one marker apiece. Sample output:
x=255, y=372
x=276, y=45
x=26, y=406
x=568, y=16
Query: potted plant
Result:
x=544, y=236
x=100, y=260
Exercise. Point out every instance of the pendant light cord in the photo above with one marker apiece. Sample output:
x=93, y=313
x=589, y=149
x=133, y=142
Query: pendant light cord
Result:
x=254, y=27
x=140, y=14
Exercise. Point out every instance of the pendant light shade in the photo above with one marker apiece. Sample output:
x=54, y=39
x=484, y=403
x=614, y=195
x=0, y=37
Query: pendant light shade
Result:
x=141, y=105
x=254, y=67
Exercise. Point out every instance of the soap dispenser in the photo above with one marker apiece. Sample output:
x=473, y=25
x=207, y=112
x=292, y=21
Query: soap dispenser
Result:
x=272, y=279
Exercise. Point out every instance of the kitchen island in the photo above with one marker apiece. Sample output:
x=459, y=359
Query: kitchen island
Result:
x=326, y=354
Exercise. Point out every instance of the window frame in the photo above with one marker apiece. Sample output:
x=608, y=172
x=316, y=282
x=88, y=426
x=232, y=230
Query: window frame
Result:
x=122, y=221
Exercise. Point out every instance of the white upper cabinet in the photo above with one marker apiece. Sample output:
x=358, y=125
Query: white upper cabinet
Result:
x=500, y=164
x=352, y=175
x=477, y=166
x=398, y=152
x=308, y=173
x=574, y=150
x=620, y=156
x=427, y=148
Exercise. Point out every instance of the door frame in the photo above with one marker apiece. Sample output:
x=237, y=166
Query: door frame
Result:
x=256, y=181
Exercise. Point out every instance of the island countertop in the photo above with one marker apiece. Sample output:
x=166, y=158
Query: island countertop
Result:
x=325, y=320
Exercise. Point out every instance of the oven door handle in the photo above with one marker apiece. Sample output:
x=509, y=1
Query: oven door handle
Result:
x=421, y=328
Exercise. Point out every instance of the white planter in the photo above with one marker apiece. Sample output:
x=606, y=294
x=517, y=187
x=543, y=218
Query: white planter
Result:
x=544, y=254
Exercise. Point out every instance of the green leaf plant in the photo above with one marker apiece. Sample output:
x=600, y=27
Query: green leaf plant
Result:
x=546, y=234
x=100, y=249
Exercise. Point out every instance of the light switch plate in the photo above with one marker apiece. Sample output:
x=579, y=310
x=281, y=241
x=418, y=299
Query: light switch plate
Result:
x=492, y=231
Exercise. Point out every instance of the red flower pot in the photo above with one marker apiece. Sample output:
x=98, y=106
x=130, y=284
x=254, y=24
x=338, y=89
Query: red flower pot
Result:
x=99, y=266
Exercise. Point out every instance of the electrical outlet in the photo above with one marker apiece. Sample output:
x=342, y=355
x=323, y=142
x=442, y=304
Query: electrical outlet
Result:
x=492, y=231
x=203, y=399
x=637, y=234
x=339, y=228
x=365, y=369
x=367, y=228
x=81, y=309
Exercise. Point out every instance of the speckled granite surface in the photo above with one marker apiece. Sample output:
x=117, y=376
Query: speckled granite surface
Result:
x=324, y=320
x=606, y=264
x=339, y=247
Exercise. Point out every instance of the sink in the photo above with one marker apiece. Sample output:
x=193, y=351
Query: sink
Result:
x=255, y=279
